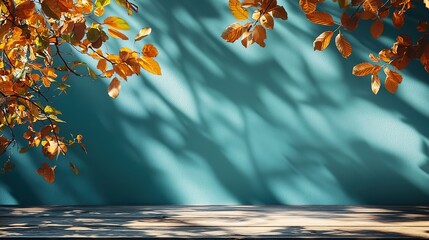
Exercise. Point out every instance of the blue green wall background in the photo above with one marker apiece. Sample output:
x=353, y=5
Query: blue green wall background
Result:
x=228, y=125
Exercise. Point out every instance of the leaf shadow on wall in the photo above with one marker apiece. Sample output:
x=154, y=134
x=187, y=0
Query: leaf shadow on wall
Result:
x=263, y=132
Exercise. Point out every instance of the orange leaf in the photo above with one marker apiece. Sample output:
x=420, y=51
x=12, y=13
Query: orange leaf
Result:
x=322, y=41
x=377, y=28
x=4, y=143
x=150, y=65
x=102, y=65
x=375, y=83
x=250, y=3
x=99, y=11
x=117, y=23
x=267, y=21
x=232, y=32
x=398, y=19
x=374, y=58
x=363, y=69
x=116, y=34
x=237, y=10
x=321, y=18
x=394, y=76
x=114, y=88
x=150, y=50
x=74, y=168
x=47, y=172
x=390, y=85
x=343, y=46
x=25, y=9
x=307, y=6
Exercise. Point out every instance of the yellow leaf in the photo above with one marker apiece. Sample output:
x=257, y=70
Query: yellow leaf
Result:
x=116, y=23
x=237, y=10
x=150, y=65
x=343, y=46
x=51, y=110
x=144, y=32
x=232, y=32
x=321, y=18
x=114, y=88
x=116, y=34
x=150, y=50
x=323, y=40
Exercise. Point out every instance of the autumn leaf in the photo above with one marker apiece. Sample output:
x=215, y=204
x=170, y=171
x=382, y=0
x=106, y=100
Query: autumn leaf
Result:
x=267, y=21
x=47, y=172
x=343, y=46
x=374, y=58
x=426, y=3
x=321, y=18
x=25, y=9
x=232, y=32
x=4, y=143
x=279, y=12
x=116, y=34
x=237, y=10
x=150, y=65
x=390, y=85
x=250, y=3
x=102, y=3
x=116, y=23
x=375, y=83
x=323, y=40
x=51, y=9
x=398, y=19
x=363, y=69
x=150, y=50
x=102, y=65
x=377, y=28
x=144, y=32
x=259, y=35
x=307, y=6
x=114, y=88
x=394, y=76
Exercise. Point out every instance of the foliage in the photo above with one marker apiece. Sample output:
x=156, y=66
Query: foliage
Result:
x=33, y=34
x=397, y=57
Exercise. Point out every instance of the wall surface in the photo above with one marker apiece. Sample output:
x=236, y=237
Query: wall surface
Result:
x=228, y=125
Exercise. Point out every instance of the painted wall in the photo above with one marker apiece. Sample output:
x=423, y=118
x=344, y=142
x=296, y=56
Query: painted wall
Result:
x=225, y=125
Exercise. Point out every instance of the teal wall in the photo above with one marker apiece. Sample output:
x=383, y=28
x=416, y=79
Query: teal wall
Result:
x=228, y=125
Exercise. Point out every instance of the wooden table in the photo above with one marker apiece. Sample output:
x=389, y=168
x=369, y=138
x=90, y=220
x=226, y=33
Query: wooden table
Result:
x=215, y=221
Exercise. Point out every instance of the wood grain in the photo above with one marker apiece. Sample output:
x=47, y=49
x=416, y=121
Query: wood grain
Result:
x=215, y=221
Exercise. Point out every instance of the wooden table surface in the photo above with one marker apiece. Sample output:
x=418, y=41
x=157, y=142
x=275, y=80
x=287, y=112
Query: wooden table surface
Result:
x=215, y=221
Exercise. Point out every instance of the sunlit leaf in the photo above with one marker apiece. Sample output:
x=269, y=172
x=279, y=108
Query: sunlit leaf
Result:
x=144, y=32
x=116, y=23
x=343, y=46
x=237, y=10
x=116, y=34
x=114, y=88
x=323, y=40
x=321, y=18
